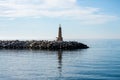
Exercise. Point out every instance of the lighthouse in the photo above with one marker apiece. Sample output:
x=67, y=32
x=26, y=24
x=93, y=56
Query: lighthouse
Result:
x=59, y=38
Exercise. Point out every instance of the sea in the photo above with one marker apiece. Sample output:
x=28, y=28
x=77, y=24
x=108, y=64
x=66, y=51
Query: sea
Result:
x=99, y=62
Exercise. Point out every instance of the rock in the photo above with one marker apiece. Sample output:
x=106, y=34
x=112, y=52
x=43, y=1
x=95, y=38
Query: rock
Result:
x=51, y=45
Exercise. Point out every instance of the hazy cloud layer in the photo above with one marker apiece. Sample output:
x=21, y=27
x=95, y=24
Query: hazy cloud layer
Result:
x=66, y=9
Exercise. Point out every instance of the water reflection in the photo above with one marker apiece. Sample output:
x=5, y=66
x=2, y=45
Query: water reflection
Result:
x=60, y=63
x=37, y=63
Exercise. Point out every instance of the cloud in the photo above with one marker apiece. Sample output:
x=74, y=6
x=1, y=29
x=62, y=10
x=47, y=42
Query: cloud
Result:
x=66, y=9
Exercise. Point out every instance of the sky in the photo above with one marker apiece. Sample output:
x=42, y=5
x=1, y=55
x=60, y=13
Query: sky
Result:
x=40, y=19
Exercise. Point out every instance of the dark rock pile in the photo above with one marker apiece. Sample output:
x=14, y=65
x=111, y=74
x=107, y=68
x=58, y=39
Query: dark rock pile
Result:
x=43, y=44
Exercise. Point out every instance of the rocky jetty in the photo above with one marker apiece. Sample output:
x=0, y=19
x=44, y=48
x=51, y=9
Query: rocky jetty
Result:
x=42, y=44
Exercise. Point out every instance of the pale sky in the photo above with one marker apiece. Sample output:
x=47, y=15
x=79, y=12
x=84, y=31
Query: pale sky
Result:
x=40, y=19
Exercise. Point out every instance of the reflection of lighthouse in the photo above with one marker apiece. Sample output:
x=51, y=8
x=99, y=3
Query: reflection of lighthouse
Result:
x=60, y=63
x=59, y=38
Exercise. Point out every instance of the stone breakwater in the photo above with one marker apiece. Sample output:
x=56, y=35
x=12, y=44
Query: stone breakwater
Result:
x=42, y=44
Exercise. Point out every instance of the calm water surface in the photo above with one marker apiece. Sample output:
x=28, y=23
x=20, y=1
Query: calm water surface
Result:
x=100, y=62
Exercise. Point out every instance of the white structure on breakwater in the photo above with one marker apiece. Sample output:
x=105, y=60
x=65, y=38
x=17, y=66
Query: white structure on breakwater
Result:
x=60, y=38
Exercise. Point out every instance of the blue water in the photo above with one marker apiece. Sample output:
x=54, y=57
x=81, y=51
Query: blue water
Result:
x=100, y=62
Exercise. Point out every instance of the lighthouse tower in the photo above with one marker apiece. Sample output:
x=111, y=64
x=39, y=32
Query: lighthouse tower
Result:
x=59, y=38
